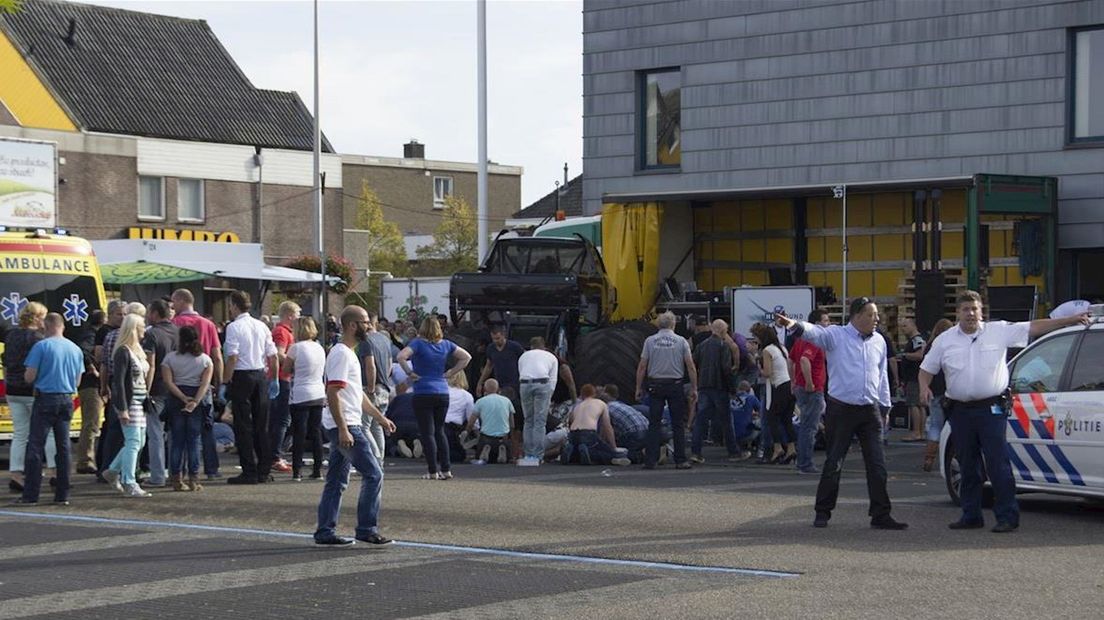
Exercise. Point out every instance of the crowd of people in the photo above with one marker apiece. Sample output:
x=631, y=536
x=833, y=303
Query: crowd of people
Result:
x=176, y=389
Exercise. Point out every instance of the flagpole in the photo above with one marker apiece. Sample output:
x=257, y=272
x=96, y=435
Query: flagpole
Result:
x=317, y=191
x=481, y=180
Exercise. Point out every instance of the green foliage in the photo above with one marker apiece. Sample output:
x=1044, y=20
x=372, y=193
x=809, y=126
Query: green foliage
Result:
x=386, y=250
x=10, y=6
x=455, y=244
x=337, y=266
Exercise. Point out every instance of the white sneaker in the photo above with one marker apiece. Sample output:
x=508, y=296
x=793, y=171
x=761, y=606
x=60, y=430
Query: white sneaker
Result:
x=417, y=452
x=502, y=455
x=133, y=490
x=528, y=462
x=485, y=454
x=621, y=461
x=405, y=450
x=112, y=478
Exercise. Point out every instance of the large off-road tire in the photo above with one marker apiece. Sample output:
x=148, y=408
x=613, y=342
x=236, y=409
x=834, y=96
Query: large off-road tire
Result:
x=611, y=355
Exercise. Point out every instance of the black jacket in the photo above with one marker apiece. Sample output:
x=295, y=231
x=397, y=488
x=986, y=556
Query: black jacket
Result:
x=122, y=381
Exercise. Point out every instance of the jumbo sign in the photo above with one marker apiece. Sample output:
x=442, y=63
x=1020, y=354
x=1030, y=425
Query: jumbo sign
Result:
x=170, y=234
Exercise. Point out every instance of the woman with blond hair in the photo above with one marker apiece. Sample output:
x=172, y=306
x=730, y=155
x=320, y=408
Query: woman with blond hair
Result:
x=306, y=363
x=936, y=416
x=429, y=355
x=460, y=407
x=20, y=394
x=130, y=379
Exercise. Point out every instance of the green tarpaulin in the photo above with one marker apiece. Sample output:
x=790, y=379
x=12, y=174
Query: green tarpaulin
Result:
x=147, y=273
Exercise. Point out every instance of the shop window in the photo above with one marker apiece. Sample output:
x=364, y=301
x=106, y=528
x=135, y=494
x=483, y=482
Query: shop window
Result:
x=659, y=116
x=1086, y=80
x=151, y=198
x=442, y=189
x=189, y=200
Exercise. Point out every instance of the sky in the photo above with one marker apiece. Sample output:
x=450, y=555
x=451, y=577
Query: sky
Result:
x=392, y=71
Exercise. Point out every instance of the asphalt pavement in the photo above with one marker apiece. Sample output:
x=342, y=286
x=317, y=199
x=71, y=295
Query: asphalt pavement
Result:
x=720, y=540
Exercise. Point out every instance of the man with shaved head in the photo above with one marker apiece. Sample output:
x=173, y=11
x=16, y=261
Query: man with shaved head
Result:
x=714, y=362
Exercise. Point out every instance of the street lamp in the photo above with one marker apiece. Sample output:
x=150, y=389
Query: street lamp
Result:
x=839, y=192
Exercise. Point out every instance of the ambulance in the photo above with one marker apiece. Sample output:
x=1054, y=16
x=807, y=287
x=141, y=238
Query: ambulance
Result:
x=54, y=269
x=1055, y=427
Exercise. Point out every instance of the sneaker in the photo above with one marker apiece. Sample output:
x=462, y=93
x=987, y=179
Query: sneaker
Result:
x=417, y=451
x=335, y=541
x=375, y=539
x=133, y=490
x=697, y=458
x=821, y=520
x=740, y=456
x=621, y=461
x=503, y=456
x=485, y=454
x=297, y=477
x=112, y=478
x=241, y=479
x=405, y=450
x=1004, y=528
x=662, y=455
x=281, y=466
x=683, y=465
x=528, y=462
x=214, y=476
x=887, y=523
x=808, y=470
x=444, y=475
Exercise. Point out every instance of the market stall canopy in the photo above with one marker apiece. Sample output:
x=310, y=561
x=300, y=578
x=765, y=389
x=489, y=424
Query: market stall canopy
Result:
x=155, y=261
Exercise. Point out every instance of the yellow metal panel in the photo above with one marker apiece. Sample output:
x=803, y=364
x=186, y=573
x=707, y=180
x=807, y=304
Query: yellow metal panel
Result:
x=753, y=250
x=25, y=96
x=890, y=209
x=860, y=210
x=814, y=213
x=816, y=278
x=751, y=215
x=953, y=206
x=780, y=250
x=861, y=248
x=885, y=282
x=833, y=212
x=779, y=214
x=756, y=278
x=815, y=249
x=726, y=277
x=952, y=245
x=890, y=247
x=834, y=279
x=833, y=250
x=726, y=216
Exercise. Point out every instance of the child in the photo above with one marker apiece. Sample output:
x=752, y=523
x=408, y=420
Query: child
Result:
x=745, y=410
x=495, y=414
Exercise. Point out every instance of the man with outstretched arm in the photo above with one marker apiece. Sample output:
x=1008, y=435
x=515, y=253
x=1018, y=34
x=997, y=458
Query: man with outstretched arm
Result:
x=859, y=385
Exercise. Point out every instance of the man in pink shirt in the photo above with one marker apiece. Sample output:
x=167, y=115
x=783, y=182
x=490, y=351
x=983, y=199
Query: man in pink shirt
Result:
x=183, y=303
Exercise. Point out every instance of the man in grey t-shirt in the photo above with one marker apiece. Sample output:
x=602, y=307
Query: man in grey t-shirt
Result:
x=665, y=366
x=375, y=361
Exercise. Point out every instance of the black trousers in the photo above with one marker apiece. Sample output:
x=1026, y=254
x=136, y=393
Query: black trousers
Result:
x=249, y=399
x=430, y=411
x=841, y=422
x=780, y=416
x=306, y=423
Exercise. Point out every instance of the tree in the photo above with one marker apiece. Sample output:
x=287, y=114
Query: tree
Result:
x=455, y=244
x=10, y=6
x=386, y=250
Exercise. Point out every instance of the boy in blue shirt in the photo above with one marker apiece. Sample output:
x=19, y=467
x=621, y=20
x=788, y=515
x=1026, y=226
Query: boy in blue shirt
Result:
x=54, y=366
x=495, y=414
x=746, y=407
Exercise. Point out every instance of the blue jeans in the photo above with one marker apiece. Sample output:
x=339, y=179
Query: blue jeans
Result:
x=210, y=449
x=977, y=432
x=670, y=394
x=126, y=461
x=185, y=434
x=337, y=479
x=279, y=419
x=51, y=412
x=812, y=408
x=155, y=441
x=713, y=404
x=936, y=418
x=20, y=409
x=536, y=399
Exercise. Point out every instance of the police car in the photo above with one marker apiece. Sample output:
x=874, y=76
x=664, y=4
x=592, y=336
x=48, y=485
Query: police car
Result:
x=1056, y=424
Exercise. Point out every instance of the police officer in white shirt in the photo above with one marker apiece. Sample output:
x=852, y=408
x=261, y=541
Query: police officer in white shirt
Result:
x=250, y=352
x=972, y=356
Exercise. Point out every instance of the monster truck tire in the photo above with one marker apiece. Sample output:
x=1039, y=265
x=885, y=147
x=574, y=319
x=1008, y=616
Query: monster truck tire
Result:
x=611, y=355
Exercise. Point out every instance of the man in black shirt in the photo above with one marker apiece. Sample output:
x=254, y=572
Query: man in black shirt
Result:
x=160, y=340
x=502, y=363
x=713, y=358
x=702, y=331
x=89, y=394
x=909, y=366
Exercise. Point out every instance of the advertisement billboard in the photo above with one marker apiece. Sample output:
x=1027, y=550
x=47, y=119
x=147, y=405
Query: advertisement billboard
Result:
x=28, y=183
x=759, y=304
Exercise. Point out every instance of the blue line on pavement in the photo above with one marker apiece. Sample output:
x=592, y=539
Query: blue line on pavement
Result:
x=749, y=572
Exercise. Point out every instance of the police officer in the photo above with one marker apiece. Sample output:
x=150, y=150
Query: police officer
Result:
x=665, y=365
x=972, y=357
x=857, y=386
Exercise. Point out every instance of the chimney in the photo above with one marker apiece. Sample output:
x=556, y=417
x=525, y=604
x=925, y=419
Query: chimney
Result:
x=564, y=187
x=413, y=150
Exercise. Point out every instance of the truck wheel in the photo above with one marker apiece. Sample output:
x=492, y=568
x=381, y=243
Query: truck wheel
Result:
x=610, y=355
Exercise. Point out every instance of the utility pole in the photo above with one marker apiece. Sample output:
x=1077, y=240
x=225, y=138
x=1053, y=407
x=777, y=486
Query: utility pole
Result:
x=481, y=184
x=317, y=189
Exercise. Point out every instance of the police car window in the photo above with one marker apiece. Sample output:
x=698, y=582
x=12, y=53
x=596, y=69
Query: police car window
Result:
x=1088, y=369
x=1040, y=368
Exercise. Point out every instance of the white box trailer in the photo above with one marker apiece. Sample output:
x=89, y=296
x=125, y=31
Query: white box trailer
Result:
x=428, y=295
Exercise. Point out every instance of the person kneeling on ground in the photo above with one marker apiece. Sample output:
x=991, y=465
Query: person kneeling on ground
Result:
x=495, y=414
x=591, y=440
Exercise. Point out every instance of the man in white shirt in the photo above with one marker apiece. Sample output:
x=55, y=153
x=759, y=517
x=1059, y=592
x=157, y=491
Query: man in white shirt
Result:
x=350, y=446
x=537, y=372
x=972, y=356
x=250, y=354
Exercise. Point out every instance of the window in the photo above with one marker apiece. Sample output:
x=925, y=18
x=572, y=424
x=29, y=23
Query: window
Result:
x=151, y=198
x=1088, y=370
x=1040, y=369
x=660, y=124
x=442, y=189
x=1086, y=52
x=189, y=200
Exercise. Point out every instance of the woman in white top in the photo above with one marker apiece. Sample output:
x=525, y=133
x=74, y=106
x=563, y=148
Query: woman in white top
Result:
x=306, y=362
x=780, y=414
x=460, y=407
